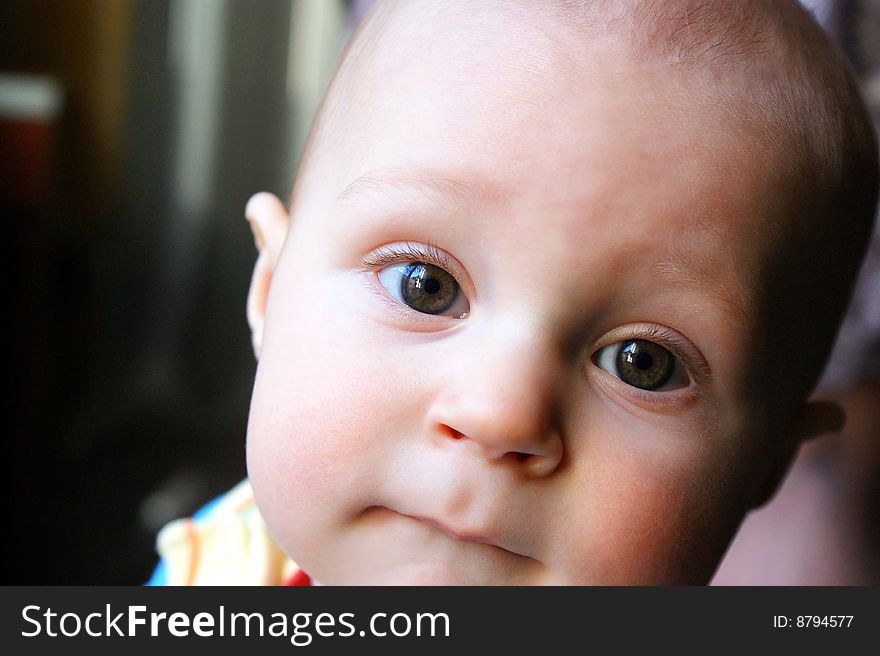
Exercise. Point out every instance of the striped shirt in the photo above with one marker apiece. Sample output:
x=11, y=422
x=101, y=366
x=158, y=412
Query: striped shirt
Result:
x=224, y=543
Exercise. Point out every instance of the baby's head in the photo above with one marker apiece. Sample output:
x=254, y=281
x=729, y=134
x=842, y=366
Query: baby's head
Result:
x=557, y=282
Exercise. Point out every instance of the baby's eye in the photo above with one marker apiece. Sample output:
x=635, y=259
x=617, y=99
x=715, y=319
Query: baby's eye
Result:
x=642, y=364
x=425, y=288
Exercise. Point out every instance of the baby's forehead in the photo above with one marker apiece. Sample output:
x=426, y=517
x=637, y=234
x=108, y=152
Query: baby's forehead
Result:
x=502, y=61
x=422, y=87
x=685, y=36
x=488, y=87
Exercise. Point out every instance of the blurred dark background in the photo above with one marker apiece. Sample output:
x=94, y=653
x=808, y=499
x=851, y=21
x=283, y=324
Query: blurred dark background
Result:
x=132, y=132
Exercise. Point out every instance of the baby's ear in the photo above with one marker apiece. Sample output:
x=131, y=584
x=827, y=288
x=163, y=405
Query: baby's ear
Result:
x=269, y=222
x=814, y=419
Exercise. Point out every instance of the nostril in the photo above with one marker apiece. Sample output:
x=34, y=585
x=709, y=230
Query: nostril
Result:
x=451, y=432
x=522, y=457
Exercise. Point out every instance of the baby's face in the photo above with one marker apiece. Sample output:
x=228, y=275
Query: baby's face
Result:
x=508, y=338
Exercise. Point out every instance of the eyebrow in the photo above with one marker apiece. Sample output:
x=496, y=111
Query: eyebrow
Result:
x=460, y=191
x=693, y=271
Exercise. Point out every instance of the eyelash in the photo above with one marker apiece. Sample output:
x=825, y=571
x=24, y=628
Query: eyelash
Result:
x=397, y=253
x=659, y=335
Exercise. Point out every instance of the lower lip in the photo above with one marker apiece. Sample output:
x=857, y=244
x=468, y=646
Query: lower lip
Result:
x=460, y=537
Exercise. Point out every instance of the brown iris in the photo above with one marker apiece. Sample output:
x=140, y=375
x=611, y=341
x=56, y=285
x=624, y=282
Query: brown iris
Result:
x=428, y=288
x=644, y=364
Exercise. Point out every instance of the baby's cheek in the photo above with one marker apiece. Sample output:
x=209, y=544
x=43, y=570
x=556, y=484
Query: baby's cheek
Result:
x=655, y=535
x=324, y=416
x=302, y=476
x=308, y=439
x=655, y=512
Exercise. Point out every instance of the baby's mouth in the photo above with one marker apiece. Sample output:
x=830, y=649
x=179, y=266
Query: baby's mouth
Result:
x=450, y=532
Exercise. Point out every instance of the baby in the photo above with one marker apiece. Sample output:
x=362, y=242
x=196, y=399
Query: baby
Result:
x=555, y=284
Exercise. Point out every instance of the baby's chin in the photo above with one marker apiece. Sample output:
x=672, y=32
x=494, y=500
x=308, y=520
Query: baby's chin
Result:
x=434, y=572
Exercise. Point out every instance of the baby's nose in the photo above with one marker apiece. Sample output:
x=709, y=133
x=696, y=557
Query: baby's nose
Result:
x=506, y=406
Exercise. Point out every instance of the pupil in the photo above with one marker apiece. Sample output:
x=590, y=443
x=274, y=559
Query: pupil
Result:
x=431, y=286
x=427, y=288
x=644, y=360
